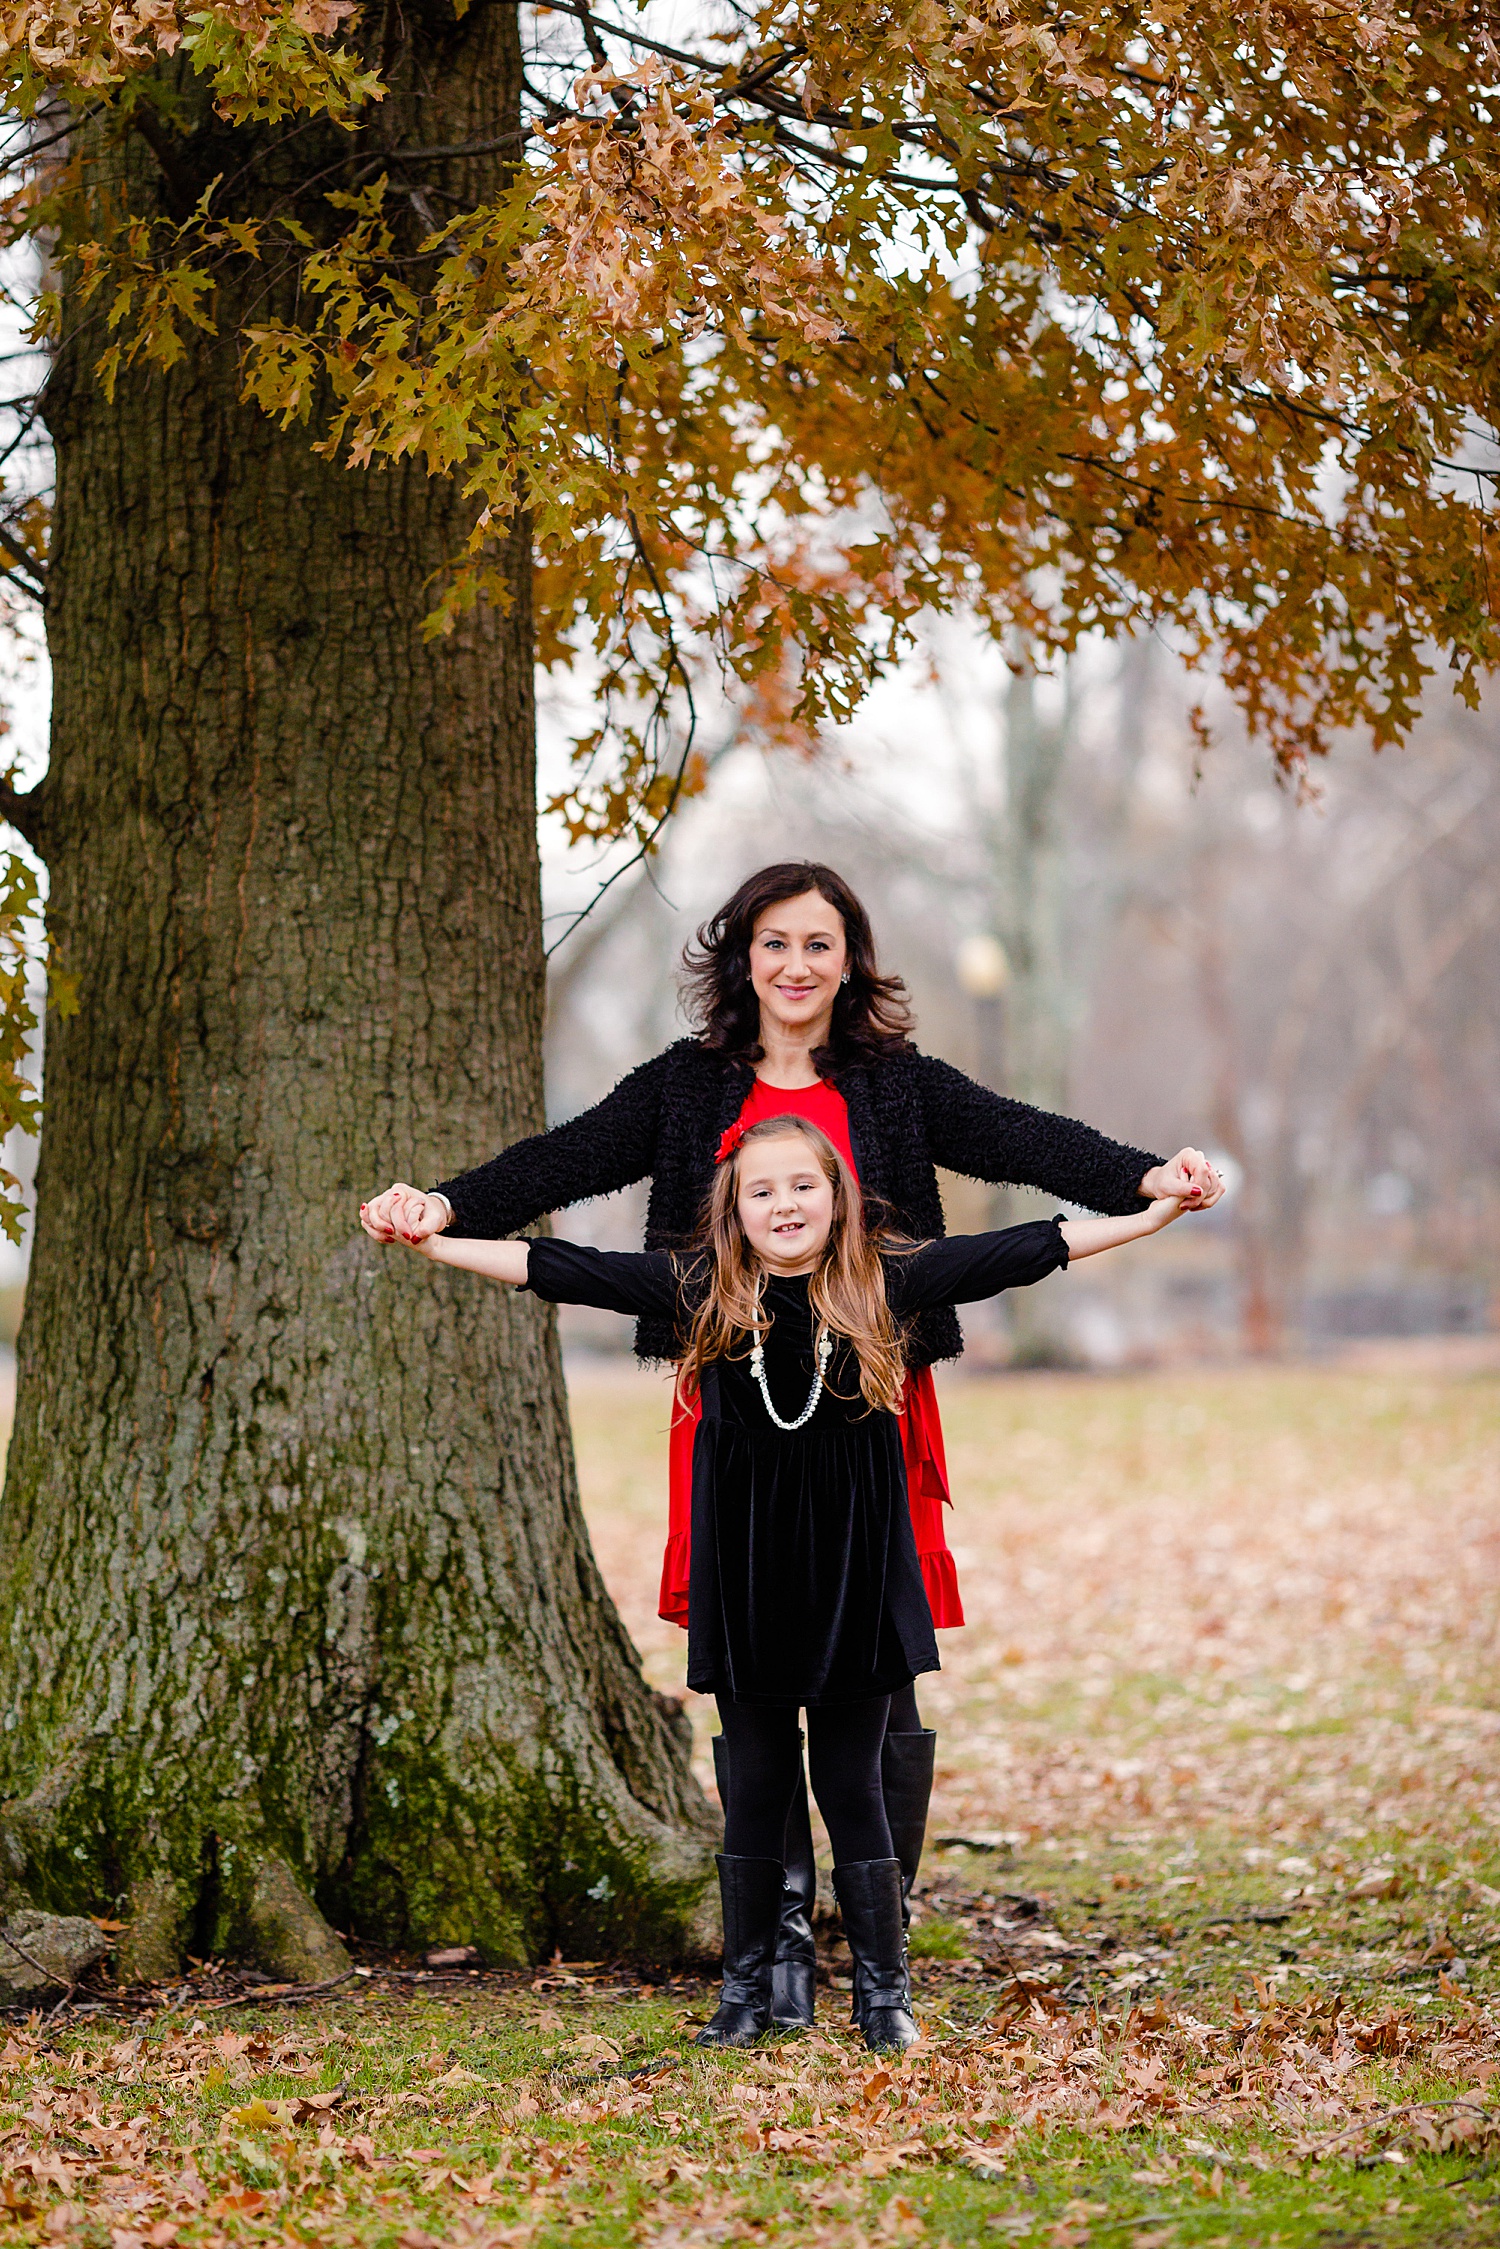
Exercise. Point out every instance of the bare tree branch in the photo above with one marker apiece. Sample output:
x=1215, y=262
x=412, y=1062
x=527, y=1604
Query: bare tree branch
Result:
x=25, y=813
x=27, y=571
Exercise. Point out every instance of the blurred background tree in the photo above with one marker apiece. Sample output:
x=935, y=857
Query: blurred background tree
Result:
x=1302, y=985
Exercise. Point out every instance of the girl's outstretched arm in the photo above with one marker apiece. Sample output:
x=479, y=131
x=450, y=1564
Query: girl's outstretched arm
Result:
x=497, y=1261
x=1085, y=1237
x=964, y=1268
x=564, y=1272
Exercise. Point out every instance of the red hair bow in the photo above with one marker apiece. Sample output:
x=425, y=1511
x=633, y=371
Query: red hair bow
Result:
x=729, y=1140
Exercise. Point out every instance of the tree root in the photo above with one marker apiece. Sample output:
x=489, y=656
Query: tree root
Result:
x=287, y=1933
x=156, y=1917
x=48, y=1949
x=48, y=1975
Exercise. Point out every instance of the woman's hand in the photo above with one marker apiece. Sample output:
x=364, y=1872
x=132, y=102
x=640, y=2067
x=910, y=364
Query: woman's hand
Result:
x=1189, y=1176
x=404, y=1214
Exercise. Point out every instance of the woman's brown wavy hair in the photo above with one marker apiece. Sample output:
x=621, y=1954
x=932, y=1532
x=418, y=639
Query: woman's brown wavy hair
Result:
x=871, y=1016
x=846, y=1291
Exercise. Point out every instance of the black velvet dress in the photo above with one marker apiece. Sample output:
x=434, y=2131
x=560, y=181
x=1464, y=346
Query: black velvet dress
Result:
x=805, y=1585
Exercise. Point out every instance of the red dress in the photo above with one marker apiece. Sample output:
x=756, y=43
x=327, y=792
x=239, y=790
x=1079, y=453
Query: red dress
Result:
x=921, y=1430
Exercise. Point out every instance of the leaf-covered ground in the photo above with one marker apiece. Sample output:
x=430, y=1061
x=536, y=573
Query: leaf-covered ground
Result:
x=1209, y=1958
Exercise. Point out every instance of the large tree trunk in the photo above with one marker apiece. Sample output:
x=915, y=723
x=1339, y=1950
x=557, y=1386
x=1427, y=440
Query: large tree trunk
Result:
x=298, y=1603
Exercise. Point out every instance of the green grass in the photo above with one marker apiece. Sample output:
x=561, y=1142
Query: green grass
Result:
x=1114, y=2051
x=939, y=1937
x=1225, y=1715
x=581, y=2113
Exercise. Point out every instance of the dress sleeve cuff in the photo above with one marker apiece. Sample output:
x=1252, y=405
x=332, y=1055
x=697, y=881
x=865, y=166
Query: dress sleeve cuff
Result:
x=672, y=1601
x=940, y=1580
x=452, y=1194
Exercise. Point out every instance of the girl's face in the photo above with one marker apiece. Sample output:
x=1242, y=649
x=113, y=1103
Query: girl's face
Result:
x=785, y=1203
x=798, y=955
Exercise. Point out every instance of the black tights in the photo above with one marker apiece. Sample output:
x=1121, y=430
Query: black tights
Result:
x=765, y=1766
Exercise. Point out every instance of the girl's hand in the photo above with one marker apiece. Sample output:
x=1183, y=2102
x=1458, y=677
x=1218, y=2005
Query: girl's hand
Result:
x=1189, y=1176
x=404, y=1214
x=1165, y=1208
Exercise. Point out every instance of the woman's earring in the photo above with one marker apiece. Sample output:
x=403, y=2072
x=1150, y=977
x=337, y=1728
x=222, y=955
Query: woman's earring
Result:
x=845, y=977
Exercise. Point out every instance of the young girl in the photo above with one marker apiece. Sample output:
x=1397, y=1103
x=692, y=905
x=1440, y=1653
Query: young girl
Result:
x=805, y=1591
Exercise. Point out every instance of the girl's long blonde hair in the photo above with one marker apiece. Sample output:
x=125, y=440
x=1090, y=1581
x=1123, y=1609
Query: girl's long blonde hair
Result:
x=846, y=1291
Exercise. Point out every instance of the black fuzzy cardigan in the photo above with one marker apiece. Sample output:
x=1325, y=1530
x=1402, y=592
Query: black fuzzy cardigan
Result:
x=908, y=1112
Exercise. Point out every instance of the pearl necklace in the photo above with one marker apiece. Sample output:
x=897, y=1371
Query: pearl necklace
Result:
x=758, y=1369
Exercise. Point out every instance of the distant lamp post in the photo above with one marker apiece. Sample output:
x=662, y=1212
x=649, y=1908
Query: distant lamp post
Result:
x=983, y=969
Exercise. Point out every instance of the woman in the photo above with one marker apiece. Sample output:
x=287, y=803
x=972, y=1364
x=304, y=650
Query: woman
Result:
x=793, y=1014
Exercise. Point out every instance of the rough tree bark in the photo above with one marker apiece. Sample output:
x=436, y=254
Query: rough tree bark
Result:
x=299, y=1624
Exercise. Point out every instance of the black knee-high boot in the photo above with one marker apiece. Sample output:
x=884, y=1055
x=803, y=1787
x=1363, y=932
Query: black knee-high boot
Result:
x=869, y=1895
x=906, y=1762
x=750, y=1892
x=794, y=1972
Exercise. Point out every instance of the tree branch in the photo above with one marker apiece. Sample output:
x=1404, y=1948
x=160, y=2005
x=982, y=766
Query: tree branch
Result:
x=24, y=566
x=182, y=189
x=451, y=148
x=282, y=1995
x=32, y=1961
x=756, y=88
x=26, y=813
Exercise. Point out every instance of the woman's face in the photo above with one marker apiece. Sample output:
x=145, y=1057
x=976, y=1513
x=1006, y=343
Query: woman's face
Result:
x=798, y=955
x=785, y=1203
